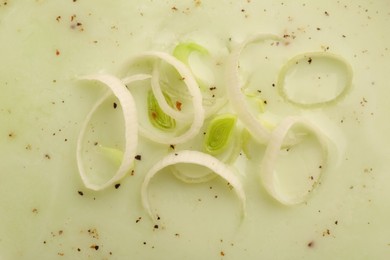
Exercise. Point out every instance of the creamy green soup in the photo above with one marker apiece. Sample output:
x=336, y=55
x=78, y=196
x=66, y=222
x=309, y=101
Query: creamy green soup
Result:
x=46, y=212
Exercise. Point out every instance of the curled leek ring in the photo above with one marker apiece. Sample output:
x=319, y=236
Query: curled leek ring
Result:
x=198, y=114
x=235, y=95
x=126, y=100
x=308, y=58
x=268, y=163
x=192, y=157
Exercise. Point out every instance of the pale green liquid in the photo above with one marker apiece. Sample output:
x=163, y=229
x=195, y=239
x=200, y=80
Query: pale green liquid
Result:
x=42, y=216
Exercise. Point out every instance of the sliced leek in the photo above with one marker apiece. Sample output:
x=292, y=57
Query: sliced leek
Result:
x=269, y=161
x=235, y=95
x=157, y=117
x=309, y=58
x=183, y=50
x=191, y=157
x=219, y=133
x=198, y=115
x=126, y=101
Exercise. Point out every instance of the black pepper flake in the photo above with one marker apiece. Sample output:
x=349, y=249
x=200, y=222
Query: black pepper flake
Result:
x=336, y=222
x=138, y=157
x=326, y=13
x=117, y=185
x=155, y=226
x=144, y=243
x=309, y=60
x=138, y=219
x=80, y=193
x=172, y=146
x=47, y=156
x=114, y=105
x=310, y=244
x=96, y=247
x=78, y=249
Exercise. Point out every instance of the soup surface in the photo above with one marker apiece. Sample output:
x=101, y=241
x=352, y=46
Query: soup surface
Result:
x=46, y=212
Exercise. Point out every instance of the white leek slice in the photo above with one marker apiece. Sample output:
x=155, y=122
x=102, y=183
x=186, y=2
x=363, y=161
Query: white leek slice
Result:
x=137, y=77
x=235, y=95
x=127, y=103
x=198, y=114
x=307, y=58
x=268, y=164
x=192, y=157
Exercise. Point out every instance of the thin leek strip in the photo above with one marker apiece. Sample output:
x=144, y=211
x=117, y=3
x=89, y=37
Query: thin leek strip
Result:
x=127, y=103
x=219, y=133
x=137, y=77
x=313, y=56
x=235, y=95
x=115, y=155
x=196, y=98
x=268, y=164
x=190, y=176
x=258, y=100
x=192, y=157
x=183, y=51
x=157, y=117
